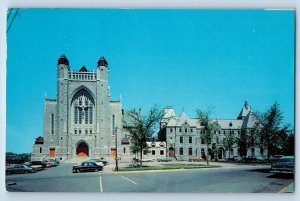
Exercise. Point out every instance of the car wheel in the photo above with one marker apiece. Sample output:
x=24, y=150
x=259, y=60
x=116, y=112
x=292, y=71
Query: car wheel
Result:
x=26, y=172
x=77, y=170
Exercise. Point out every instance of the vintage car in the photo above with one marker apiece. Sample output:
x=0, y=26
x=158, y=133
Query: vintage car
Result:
x=38, y=165
x=99, y=161
x=166, y=159
x=87, y=166
x=20, y=168
x=285, y=165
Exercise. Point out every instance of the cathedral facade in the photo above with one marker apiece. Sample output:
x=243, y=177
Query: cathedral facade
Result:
x=82, y=120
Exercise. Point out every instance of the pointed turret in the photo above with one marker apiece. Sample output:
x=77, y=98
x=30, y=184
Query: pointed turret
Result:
x=102, y=62
x=63, y=60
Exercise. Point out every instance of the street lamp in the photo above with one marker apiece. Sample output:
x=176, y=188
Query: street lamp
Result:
x=116, y=141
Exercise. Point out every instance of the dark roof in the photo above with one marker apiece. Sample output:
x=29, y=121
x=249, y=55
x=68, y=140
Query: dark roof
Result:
x=102, y=62
x=125, y=141
x=39, y=140
x=63, y=60
x=83, y=69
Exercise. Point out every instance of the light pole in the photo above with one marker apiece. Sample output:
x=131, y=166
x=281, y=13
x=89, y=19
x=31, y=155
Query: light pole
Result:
x=116, y=141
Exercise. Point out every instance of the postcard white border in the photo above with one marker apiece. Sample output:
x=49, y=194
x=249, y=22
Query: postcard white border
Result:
x=246, y=4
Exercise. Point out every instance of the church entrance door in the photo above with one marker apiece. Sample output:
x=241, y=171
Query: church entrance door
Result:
x=82, y=150
x=52, y=152
x=171, y=152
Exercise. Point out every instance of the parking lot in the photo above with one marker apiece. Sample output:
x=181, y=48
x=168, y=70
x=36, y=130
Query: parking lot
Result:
x=228, y=178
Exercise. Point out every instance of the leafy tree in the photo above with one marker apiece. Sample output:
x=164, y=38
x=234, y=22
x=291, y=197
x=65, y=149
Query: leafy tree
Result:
x=289, y=144
x=228, y=142
x=270, y=128
x=143, y=129
x=208, y=125
x=242, y=142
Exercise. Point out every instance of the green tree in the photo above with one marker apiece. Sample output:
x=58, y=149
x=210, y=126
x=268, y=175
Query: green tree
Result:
x=208, y=126
x=241, y=141
x=142, y=129
x=228, y=142
x=270, y=130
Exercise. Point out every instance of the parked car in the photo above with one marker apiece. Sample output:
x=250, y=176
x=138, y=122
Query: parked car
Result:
x=286, y=164
x=47, y=163
x=231, y=159
x=19, y=169
x=38, y=165
x=87, y=167
x=147, y=160
x=275, y=158
x=55, y=162
x=261, y=159
x=104, y=162
x=164, y=159
x=250, y=159
x=98, y=162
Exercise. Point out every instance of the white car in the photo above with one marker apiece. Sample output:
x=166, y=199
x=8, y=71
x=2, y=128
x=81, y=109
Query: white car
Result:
x=147, y=160
x=98, y=162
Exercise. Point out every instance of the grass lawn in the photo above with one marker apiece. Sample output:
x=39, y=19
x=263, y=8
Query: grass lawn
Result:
x=170, y=166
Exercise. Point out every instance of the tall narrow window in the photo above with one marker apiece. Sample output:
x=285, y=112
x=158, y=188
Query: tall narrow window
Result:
x=52, y=123
x=91, y=115
x=75, y=115
x=181, y=151
x=181, y=139
x=190, y=151
x=190, y=140
x=86, y=115
x=80, y=115
x=113, y=124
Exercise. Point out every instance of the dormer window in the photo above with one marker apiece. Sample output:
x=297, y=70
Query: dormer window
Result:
x=230, y=124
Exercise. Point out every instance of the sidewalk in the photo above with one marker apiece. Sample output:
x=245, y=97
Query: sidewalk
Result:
x=288, y=189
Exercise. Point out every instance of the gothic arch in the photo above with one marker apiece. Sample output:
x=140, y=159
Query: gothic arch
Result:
x=83, y=90
x=82, y=148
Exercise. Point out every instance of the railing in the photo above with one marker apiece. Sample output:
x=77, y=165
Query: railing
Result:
x=86, y=76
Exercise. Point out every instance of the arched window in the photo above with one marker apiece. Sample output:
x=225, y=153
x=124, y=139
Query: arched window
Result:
x=52, y=123
x=82, y=112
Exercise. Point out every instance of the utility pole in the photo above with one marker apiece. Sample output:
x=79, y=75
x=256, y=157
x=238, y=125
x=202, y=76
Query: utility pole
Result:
x=116, y=141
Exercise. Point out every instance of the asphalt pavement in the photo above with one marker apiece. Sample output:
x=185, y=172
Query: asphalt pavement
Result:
x=227, y=179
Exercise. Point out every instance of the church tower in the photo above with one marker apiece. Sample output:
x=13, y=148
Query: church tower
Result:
x=62, y=102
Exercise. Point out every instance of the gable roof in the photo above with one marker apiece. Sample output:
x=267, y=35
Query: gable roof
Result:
x=83, y=69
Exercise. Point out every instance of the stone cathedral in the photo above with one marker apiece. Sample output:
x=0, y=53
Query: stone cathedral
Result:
x=82, y=120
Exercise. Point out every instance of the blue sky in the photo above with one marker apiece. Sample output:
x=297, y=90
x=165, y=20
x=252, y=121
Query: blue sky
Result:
x=187, y=59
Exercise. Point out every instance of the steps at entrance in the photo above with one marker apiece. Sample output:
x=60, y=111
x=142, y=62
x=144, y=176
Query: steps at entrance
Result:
x=76, y=160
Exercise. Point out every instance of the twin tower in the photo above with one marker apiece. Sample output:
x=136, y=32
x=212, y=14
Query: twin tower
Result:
x=81, y=121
